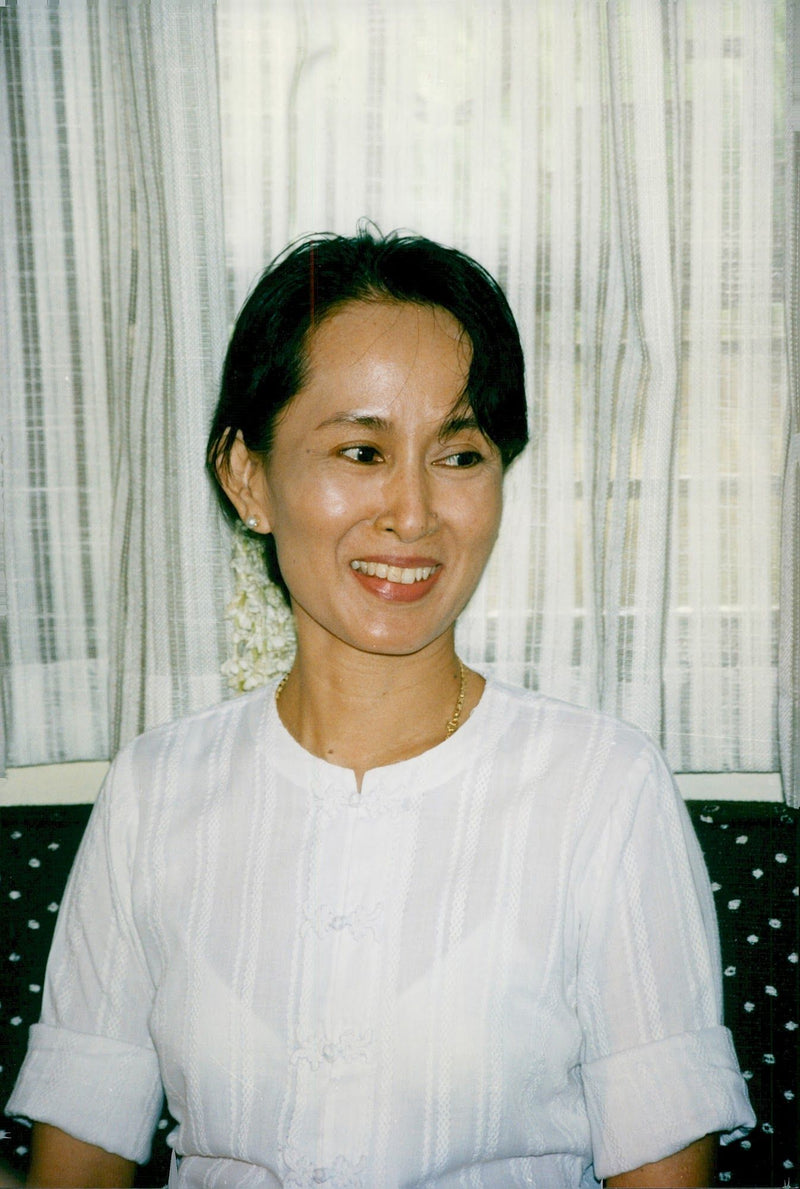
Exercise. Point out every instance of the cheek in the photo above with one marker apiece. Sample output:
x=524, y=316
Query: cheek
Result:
x=306, y=513
x=485, y=545
x=484, y=523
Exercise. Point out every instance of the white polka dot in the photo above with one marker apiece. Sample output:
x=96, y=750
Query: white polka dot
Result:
x=704, y=817
x=774, y=923
x=749, y=1006
x=769, y=1058
x=746, y=1145
x=15, y=895
x=779, y=858
x=724, y=1177
x=789, y=1095
x=13, y=957
x=34, y=987
x=16, y=1021
x=16, y=834
x=793, y=957
x=742, y=839
x=747, y=1074
x=788, y=1164
x=162, y=1124
x=21, y=1150
x=715, y=887
x=730, y=971
x=33, y=924
x=757, y=873
x=53, y=907
x=770, y=990
x=767, y=1128
x=733, y=905
x=53, y=845
x=753, y=938
x=790, y=1026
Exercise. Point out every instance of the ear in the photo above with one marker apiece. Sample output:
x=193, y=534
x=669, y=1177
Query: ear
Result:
x=242, y=479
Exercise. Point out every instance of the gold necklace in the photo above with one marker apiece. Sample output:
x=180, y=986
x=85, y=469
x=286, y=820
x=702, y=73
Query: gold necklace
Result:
x=452, y=722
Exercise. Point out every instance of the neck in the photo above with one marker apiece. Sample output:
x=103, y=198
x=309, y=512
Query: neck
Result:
x=362, y=711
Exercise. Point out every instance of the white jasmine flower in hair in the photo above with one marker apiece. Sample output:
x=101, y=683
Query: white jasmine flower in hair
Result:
x=262, y=629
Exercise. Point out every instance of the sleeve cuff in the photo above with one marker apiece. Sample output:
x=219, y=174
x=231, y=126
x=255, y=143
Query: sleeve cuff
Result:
x=101, y=1091
x=649, y=1102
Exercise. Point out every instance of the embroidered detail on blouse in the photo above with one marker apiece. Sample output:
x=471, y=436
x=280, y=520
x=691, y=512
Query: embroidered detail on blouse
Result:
x=349, y=1046
x=302, y=1173
x=359, y=922
x=331, y=800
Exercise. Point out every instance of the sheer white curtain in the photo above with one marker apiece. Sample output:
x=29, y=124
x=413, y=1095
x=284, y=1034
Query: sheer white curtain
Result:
x=115, y=321
x=724, y=569
x=168, y=302
x=618, y=165
x=56, y=480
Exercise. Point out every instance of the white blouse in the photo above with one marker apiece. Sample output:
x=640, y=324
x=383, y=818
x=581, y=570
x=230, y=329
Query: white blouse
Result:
x=496, y=965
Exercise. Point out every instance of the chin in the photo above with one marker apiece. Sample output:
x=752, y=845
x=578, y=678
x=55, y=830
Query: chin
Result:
x=388, y=631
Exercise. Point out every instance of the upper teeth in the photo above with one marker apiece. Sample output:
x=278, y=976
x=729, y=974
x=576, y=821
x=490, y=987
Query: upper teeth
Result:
x=377, y=569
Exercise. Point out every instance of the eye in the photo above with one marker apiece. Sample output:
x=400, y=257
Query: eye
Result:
x=463, y=458
x=363, y=454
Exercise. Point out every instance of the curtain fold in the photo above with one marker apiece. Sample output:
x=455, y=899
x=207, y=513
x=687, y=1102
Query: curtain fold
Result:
x=719, y=665
x=55, y=444
x=639, y=394
x=168, y=566
x=619, y=166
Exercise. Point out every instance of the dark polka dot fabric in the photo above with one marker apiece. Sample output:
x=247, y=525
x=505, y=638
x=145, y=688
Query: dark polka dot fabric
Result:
x=752, y=856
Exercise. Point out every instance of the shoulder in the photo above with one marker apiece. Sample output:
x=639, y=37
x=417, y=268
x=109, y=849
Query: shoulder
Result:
x=173, y=755
x=576, y=753
x=204, y=727
x=583, y=731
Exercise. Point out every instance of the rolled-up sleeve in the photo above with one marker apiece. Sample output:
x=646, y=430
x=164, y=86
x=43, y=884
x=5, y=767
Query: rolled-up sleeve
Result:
x=91, y=1068
x=659, y=1069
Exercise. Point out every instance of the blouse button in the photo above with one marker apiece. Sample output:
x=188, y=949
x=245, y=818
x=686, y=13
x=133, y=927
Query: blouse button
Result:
x=319, y=1176
x=329, y=1052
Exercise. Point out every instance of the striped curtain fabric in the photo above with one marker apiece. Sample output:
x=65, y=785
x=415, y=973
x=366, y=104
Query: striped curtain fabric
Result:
x=170, y=320
x=721, y=644
x=115, y=322
x=55, y=359
x=619, y=166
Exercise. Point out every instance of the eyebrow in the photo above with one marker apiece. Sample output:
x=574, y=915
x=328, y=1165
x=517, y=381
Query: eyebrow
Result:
x=364, y=420
x=458, y=424
x=450, y=428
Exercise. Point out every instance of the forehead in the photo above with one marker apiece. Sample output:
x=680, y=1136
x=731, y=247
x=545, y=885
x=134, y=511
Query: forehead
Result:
x=386, y=342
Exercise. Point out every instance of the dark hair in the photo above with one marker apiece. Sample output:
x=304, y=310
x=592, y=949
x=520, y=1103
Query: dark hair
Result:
x=266, y=361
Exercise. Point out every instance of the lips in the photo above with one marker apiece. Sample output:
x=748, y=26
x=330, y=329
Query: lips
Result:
x=399, y=580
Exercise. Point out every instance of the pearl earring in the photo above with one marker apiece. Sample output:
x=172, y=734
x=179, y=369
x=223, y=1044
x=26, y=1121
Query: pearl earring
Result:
x=252, y=522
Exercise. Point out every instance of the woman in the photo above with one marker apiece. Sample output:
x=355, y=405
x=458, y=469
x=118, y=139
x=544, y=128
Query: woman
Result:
x=385, y=923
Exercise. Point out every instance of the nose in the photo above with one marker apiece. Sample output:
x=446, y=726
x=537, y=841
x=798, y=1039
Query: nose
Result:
x=408, y=503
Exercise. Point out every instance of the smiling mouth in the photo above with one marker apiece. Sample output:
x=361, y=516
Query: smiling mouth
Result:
x=403, y=575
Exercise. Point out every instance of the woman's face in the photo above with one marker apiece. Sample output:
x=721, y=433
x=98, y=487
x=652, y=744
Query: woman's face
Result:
x=384, y=502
